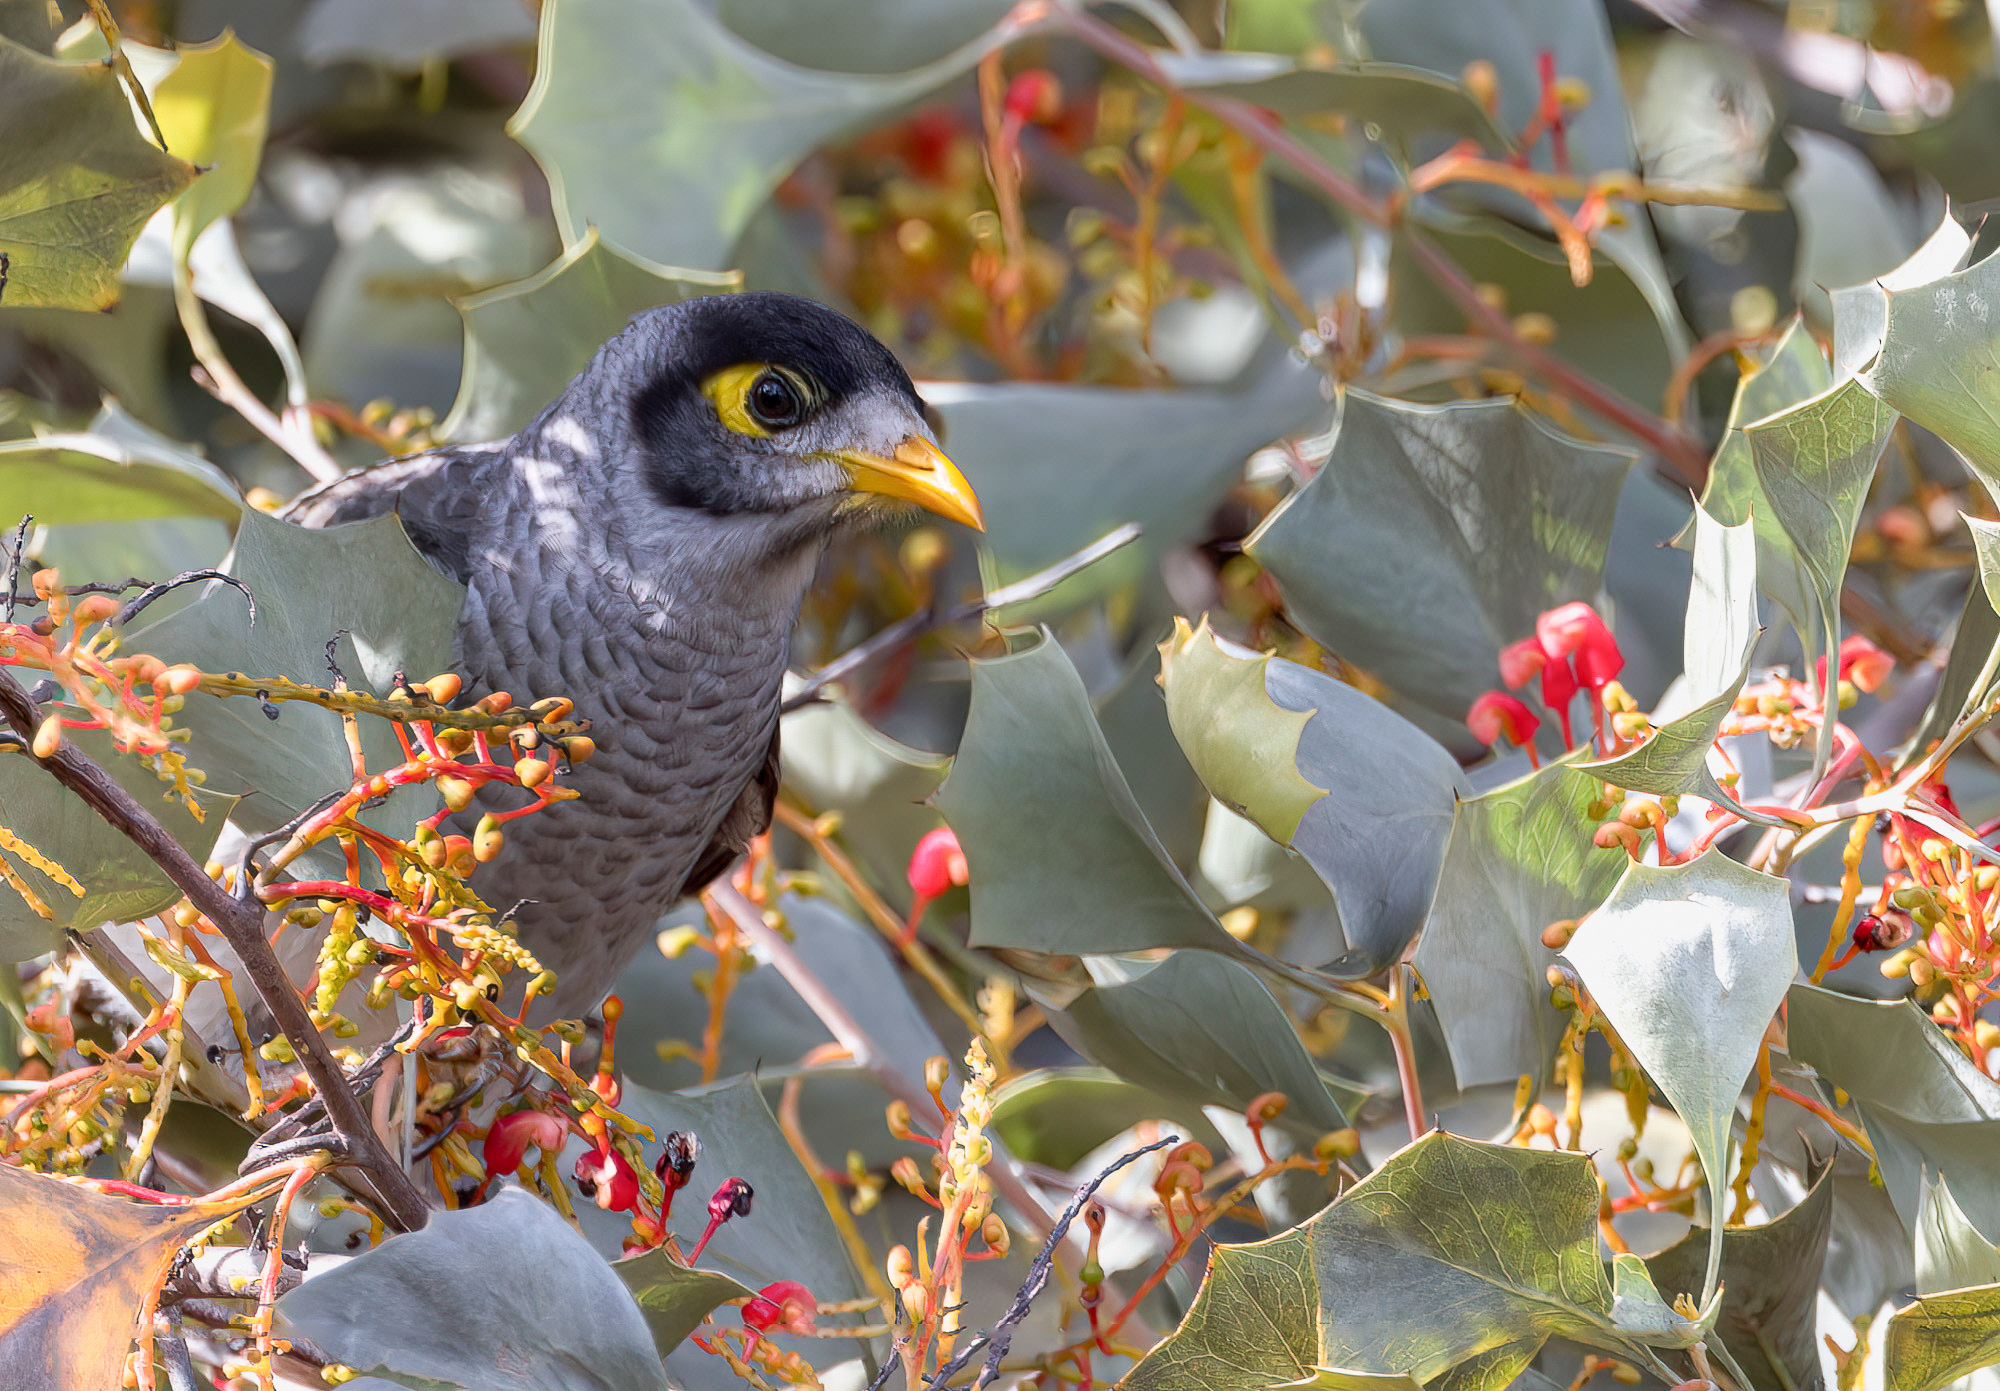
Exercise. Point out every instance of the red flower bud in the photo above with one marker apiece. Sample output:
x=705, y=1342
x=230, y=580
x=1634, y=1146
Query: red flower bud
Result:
x=1521, y=662
x=606, y=1177
x=936, y=864
x=1497, y=713
x=1575, y=630
x=784, y=1305
x=508, y=1140
x=732, y=1199
x=1035, y=97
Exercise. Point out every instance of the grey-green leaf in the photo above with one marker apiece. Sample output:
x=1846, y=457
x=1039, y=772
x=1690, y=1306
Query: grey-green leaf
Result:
x=1952, y=1253
x=499, y=1297
x=1704, y=951
x=673, y=1297
x=1520, y=858
x=363, y=584
x=1940, y=362
x=117, y=470
x=1434, y=535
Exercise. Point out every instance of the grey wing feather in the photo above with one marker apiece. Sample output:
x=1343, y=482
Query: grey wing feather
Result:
x=436, y=495
x=749, y=818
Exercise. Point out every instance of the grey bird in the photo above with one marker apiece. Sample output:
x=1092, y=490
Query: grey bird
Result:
x=643, y=547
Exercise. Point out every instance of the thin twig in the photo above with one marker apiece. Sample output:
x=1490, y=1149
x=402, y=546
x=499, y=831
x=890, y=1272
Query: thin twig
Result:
x=15, y=552
x=241, y=921
x=138, y=602
x=1001, y=1335
x=910, y=628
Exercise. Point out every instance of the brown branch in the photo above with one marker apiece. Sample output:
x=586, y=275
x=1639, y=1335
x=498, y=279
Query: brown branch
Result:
x=241, y=921
x=1682, y=459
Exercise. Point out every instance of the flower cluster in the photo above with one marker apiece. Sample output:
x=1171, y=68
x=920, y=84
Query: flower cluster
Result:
x=1572, y=650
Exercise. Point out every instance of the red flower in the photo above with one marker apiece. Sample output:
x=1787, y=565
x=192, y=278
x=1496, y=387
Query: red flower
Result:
x=1521, y=662
x=936, y=864
x=606, y=1176
x=1497, y=713
x=508, y=1140
x=1863, y=663
x=1577, y=632
x=731, y=1199
x=784, y=1305
x=1034, y=98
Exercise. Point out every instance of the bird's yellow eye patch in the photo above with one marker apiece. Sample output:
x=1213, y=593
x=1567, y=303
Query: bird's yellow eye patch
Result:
x=758, y=399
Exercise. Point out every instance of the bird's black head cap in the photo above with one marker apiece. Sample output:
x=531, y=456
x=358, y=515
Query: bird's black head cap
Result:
x=693, y=459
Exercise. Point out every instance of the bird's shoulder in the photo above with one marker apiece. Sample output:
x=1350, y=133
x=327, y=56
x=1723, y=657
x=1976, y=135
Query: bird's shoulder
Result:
x=437, y=494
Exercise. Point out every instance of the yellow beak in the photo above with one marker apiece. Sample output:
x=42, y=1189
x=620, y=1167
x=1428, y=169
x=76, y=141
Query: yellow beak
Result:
x=917, y=472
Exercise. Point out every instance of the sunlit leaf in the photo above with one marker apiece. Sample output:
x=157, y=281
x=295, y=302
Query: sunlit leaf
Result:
x=1434, y=535
x=1700, y=950
x=1058, y=1115
x=865, y=36
x=1062, y=859
x=1952, y=1254
x=1940, y=362
x=666, y=131
x=1497, y=1247
x=1519, y=859
x=1861, y=312
x=526, y=340
x=1204, y=1030
x=1768, y=1318
x=76, y=1265
x=1924, y=1103
x=364, y=585
x=1365, y=796
x=115, y=471
x=502, y=1297
x=1719, y=636
x=1939, y=1338
x=77, y=180
x=213, y=108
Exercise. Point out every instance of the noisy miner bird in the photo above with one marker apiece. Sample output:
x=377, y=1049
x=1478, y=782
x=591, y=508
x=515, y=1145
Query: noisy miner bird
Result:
x=643, y=547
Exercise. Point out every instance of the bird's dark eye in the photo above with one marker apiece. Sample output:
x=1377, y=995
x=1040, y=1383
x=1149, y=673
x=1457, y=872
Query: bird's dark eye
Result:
x=774, y=402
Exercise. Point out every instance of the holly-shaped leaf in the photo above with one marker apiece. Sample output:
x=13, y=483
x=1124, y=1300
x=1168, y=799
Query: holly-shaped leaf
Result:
x=1952, y=1253
x=1695, y=951
x=364, y=585
x=524, y=341
x=666, y=131
x=117, y=470
x=500, y=1297
x=213, y=108
x=77, y=180
x=1940, y=362
x=75, y=1266
x=1520, y=858
x=1433, y=536
x=1941, y=1337
x=673, y=1297
x=1454, y=1252
x=1364, y=795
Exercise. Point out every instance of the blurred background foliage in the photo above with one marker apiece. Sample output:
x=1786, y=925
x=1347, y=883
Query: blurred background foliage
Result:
x=1130, y=288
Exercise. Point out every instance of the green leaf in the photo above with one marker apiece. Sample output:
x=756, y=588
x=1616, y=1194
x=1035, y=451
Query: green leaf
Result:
x=77, y=181
x=673, y=1297
x=365, y=581
x=787, y=1235
x=1434, y=535
x=213, y=108
x=1923, y=1102
x=120, y=881
x=1520, y=858
x=1973, y=638
x=1062, y=860
x=860, y=35
x=1794, y=372
x=1941, y=1337
x=526, y=340
x=1496, y=1246
x=1940, y=362
x=500, y=1297
x=1769, y=1316
x=1814, y=463
x=117, y=470
x=1364, y=795
x=1695, y=951
x=1203, y=1030
x=667, y=131
x=1718, y=638
x=1952, y=1254
x=1861, y=312
x=1986, y=547
x=1110, y=455
x=1058, y=1115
